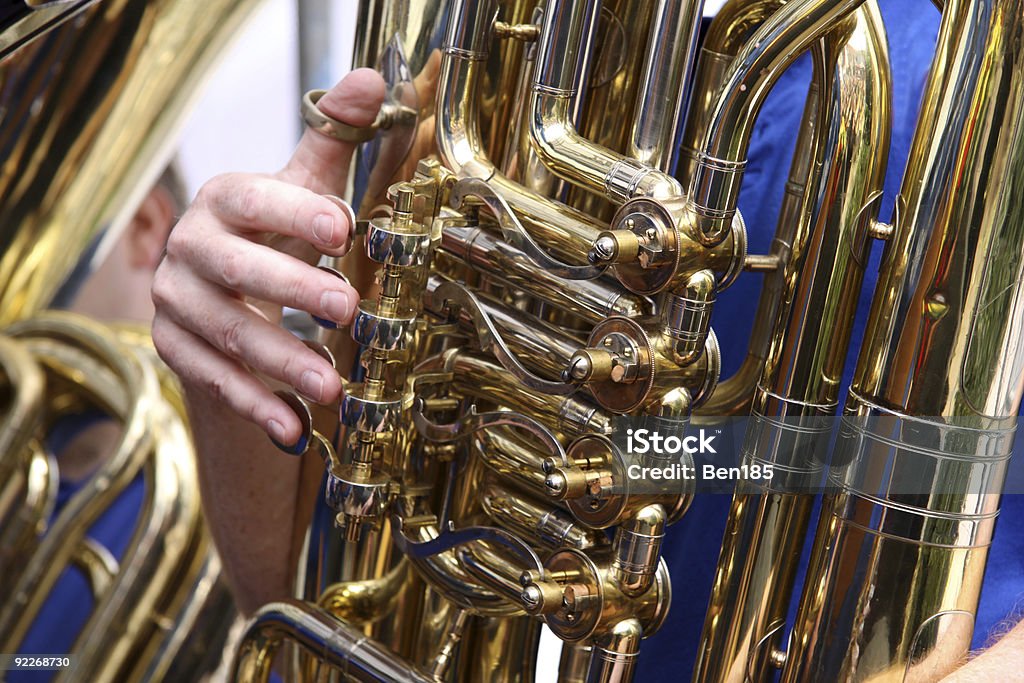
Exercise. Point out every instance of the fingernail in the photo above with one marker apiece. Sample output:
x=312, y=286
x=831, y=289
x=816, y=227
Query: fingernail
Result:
x=323, y=228
x=276, y=430
x=312, y=384
x=336, y=305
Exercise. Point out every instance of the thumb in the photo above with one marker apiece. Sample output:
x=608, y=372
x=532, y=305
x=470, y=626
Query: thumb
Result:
x=321, y=163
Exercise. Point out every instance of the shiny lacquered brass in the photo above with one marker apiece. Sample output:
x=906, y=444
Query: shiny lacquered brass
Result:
x=89, y=112
x=65, y=364
x=556, y=276
x=551, y=270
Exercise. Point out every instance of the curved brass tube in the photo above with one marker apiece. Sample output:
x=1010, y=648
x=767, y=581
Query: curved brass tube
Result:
x=743, y=631
x=664, y=92
x=168, y=532
x=368, y=600
x=168, y=551
x=136, y=381
x=89, y=112
x=565, y=37
x=715, y=185
x=28, y=486
x=730, y=30
x=321, y=635
x=487, y=381
x=566, y=232
x=592, y=300
x=939, y=371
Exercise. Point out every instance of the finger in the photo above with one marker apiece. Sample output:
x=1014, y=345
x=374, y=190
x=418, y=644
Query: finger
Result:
x=321, y=163
x=233, y=328
x=200, y=365
x=252, y=203
x=260, y=272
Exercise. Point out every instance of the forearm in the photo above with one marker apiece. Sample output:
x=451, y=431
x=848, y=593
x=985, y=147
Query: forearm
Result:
x=1002, y=662
x=249, y=491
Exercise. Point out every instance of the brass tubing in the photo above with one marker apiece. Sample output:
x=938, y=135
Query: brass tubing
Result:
x=368, y=600
x=637, y=548
x=514, y=459
x=77, y=160
x=940, y=372
x=466, y=46
x=445, y=574
x=29, y=495
x=536, y=519
x=614, y=655
x=502, y=650
x=568, y=25
x=574, y=663
x=135, y=395
x=565, y=231
x=592, y=300
x=664, y=91
x=730, y=29
x=492, y=569
x=491, y=384
x=27, y=485
x=23, y=386
x=157, y=556
x=768, y=525
x=715, y=185
x=540, y=346
x=320, y=635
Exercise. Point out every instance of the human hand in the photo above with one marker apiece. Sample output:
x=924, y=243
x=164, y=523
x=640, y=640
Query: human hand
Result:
x=247, y=247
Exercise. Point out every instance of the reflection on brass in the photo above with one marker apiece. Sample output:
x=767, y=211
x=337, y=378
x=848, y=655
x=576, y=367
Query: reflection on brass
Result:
x=562, y=276
x=169, y=568
x=552, y=266
x=88, y=116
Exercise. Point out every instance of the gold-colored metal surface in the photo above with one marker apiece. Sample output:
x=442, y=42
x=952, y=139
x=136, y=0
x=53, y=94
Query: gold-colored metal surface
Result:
x=546, y=276
x=800, y=381
x=942, y=356
x=559, y=279
x=166, y=569
x=89, y=114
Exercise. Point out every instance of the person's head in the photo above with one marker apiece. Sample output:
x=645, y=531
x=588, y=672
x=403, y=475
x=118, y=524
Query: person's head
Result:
x=119, y=288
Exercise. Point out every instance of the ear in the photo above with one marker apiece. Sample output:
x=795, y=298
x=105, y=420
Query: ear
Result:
x=149, y=229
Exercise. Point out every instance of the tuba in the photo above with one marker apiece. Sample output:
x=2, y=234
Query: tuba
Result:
x=87, y=114
x=547, y=277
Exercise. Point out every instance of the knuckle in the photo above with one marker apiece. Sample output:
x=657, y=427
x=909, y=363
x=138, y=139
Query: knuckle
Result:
x=250, y=204
x=160, y=290
x=233, y=336
x=211, y=190
x=233, y=270
x=177, y=241
x=217, y=387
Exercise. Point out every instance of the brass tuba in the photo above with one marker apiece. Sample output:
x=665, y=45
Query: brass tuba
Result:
x=87, y=116
x=545, y=275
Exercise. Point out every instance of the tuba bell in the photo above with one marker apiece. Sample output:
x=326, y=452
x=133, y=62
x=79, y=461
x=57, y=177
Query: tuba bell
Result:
x=87, y=112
